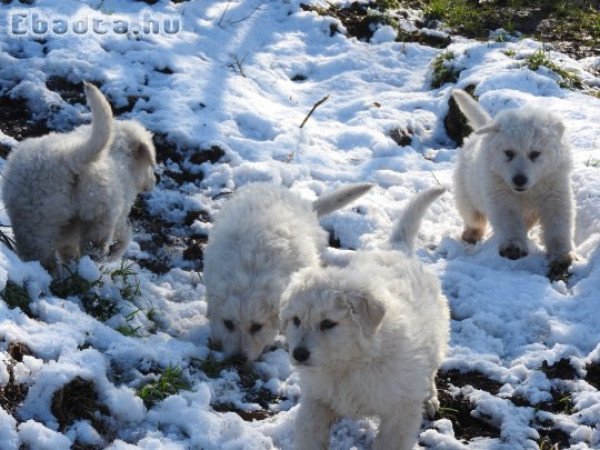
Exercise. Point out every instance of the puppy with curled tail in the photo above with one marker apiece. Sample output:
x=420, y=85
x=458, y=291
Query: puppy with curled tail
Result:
x=368, y=339
x=71, y=193
x=83, y=153
x=259, y=238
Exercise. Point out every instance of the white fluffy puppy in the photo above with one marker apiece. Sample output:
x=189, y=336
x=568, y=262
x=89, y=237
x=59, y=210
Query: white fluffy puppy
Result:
x=368, y=339
x=515, y=171
x=72, y=192
x=260, y=237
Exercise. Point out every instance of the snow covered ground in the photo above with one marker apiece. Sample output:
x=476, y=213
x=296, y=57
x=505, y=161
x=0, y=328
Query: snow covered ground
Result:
x=242, y=76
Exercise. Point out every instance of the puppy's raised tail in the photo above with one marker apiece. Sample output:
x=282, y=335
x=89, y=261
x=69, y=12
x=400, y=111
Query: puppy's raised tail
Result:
x=407, y=227
x=101, y=133
x=340, y=198
x=475, y=114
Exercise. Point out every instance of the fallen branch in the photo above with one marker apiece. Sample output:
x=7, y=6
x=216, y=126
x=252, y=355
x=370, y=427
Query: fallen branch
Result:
x=315, y=106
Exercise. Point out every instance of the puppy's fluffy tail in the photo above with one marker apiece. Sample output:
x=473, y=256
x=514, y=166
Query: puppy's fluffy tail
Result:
x=340, y=198
x=474, y=113
x=101, y=133
x=407, y=227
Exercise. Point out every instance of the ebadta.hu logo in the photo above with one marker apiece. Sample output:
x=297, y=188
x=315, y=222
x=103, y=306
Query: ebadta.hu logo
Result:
x=36, y=23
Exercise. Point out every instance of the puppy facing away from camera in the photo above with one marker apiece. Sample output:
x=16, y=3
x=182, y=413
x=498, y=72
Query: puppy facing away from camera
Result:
x=71, y=193
x=368, y=339
x=260, y=237
x=515, y=171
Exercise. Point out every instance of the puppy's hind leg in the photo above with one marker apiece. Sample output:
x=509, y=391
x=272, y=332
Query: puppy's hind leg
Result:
x=432, y=404
x=37, y=245
x=400, y=431
x=120, y=238
x=68, y=242
x=95, y=239
x=312, y=425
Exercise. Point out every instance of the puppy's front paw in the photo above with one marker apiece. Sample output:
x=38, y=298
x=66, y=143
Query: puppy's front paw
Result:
x=559, y=267
x=472, y=235
x=513, y=250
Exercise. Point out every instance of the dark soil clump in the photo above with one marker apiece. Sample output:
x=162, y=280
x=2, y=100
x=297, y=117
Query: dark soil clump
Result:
x=16, y=119
x=458, y=409
x=69, y=91
x=475, y=379
x=334, y=241
x=355, y=19
x=401, y=137
x=157, y=238
x=12, y=394
x=193, y=215
x=4, y=151
x=166, y=150
x=248, y=416
x=183, y=176
x=561, y=369
x=195, y=252
x=17, y=350
x=455, y=122
x=211, y=155
x=550, y=436
x=593, y=374
x=77, y=400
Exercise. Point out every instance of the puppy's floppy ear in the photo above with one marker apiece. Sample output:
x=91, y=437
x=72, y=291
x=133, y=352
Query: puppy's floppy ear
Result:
x=284, y=319
x=143, y=153
x=284, y=313
x=367, y=310
x=557, y=126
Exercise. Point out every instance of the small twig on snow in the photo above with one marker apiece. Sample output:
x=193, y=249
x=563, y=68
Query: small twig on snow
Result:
x=248, y=16
x=224, y=12
x=239, y=63
x=434, y=177
x=315, y=106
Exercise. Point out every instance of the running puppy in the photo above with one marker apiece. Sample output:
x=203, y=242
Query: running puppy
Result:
x=71, y=193
x=368, y=339
x=515, y=171
x=260, y=237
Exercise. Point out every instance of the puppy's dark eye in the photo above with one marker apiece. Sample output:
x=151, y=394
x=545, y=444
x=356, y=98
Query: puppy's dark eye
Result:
x=327, y=325
x=534, y=155
x=509, y=154
x=255, y=328
x=229, y=325
x=296, y=321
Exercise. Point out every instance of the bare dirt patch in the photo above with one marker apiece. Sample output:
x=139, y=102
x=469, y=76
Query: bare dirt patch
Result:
x=78, y=400
x=458, y=409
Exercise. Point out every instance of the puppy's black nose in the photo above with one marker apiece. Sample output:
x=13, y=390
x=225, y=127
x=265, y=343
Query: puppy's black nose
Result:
x=301, y=354
x=520, y=180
